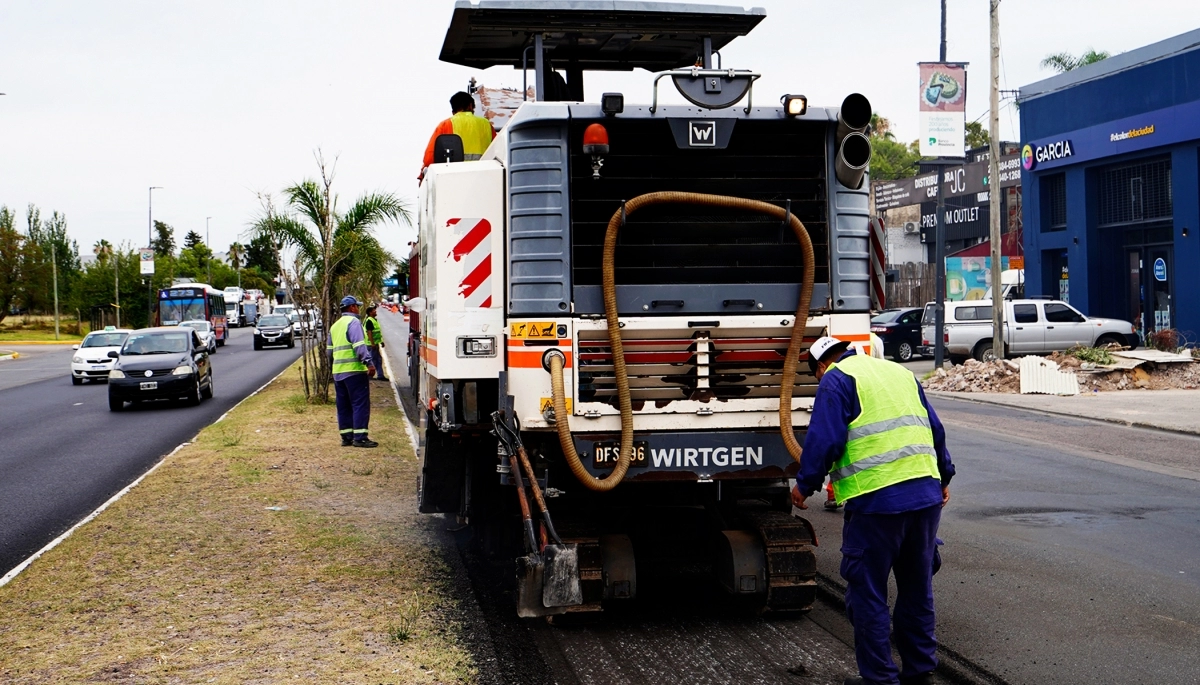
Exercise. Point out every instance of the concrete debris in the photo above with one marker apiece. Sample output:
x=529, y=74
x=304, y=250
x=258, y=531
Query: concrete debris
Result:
x=1004, y=376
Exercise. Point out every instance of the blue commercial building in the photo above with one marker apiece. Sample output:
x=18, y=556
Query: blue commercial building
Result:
x=1111, y=177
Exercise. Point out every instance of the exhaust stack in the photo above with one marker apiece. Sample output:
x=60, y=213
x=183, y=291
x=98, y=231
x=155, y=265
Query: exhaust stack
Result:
x=853, y=146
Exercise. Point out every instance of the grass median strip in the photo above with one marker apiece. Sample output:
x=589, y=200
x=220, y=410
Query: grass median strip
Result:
x=263, y=552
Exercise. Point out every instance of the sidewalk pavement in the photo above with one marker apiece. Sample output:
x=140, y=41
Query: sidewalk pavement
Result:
x=1171, y=410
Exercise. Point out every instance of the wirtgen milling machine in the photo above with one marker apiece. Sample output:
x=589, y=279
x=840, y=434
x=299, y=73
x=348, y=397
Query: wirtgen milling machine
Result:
x=616, y=303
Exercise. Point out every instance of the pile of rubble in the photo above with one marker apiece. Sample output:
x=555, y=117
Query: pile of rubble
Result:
x=1004, y=376
x=974, y=376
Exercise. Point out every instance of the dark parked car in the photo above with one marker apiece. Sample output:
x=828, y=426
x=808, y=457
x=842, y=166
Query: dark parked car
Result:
x=900, y=330
x=160, y=364
x=273, y=329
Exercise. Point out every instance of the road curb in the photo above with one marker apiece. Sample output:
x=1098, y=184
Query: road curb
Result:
x=1069, y=415
x=16, y=570
x=9, y=355
x=408, y=425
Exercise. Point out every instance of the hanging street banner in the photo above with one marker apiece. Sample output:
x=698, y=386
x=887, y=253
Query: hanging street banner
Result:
x=146, y=261
x=943, y=113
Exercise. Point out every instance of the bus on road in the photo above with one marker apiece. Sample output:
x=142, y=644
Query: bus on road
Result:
x=193, y=302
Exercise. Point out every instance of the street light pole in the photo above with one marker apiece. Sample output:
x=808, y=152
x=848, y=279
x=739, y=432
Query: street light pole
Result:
x=149, y=243
x=994, y=186
x=208, y=244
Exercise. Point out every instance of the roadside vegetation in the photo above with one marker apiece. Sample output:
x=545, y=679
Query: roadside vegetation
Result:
x=261, y=553
x=40, y=328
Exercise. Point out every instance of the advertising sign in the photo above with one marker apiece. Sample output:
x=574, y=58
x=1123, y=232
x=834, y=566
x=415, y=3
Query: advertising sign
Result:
x=391, y=282
x=968, y=278
x=146, y=261
x=943, y=94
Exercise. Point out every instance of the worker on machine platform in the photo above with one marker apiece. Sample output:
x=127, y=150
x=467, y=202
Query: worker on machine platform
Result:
x=476, y=132
x=876, y=436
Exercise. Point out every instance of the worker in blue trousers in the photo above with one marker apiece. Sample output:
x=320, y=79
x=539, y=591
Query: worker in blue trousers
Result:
x=352, y=369
x=877, y=438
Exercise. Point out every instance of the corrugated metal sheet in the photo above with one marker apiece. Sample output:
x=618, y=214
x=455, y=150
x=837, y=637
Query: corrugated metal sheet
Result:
x=1155, y=356
x=1042, y=376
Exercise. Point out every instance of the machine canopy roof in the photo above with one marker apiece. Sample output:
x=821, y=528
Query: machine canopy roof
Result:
x=592, y=35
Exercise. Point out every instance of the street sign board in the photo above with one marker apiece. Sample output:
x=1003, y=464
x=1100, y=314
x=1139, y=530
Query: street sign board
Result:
x=391, y=282
x=146, y=261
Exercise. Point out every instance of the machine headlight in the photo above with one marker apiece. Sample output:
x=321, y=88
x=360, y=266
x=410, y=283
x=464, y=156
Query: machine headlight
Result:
x=116, y=373
x=77, y=360
x=182, y=371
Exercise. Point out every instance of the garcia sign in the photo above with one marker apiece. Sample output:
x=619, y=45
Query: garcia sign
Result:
x=1032, y=155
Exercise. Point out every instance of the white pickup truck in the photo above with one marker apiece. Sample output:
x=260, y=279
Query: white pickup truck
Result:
x=1037, y=326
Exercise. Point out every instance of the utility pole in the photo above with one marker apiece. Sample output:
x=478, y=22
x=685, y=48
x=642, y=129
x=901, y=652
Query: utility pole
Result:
x=150, y=243
x=54, y=270
x=208, y=244
x=994, y=187
x=117, y=284
x=942, y=54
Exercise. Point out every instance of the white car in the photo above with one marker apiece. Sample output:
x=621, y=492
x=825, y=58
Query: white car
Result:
x=91, y=360
x=204, y=329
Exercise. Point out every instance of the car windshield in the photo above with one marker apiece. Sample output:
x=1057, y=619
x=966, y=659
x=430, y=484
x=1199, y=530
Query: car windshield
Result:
x=156, y=343
x=197, y=325
x=274, y=320
x=104, y=340
x=887, y=316
x=927, y=317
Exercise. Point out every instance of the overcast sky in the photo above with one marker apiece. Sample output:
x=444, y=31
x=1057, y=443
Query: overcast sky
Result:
x=220, y=99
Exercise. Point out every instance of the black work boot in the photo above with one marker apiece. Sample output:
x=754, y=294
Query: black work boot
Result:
x=346, y=442
x=922, y=679
x=365, y=443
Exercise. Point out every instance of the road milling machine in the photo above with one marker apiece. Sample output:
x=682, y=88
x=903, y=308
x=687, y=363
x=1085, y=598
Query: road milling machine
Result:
x=614, y=303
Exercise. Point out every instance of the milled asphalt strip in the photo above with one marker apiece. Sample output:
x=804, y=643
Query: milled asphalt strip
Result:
x=408, y=427
x=112, y=500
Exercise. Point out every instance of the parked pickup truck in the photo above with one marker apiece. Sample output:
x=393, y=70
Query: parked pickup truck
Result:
x=1030, y=327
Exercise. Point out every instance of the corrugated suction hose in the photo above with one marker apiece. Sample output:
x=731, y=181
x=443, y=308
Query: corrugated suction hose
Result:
x=791, y=361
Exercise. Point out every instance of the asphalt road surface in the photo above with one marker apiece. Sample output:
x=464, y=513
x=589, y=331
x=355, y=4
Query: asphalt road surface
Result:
x=35, y=363
x=1071, y=556
x=63, y=453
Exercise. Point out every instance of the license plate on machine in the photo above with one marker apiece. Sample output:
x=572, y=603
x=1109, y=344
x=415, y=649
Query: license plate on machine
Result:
x=150, y=385
x=607, y=454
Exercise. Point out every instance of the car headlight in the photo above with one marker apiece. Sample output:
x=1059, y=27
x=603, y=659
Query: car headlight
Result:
x=116, y=373
x=182, y=371
x=257, y=332
x=77, y=360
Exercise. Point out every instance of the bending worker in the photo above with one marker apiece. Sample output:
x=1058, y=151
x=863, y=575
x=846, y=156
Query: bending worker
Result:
x=876, y=436
x=352, y=367
x=374, y=339
x=476, y=132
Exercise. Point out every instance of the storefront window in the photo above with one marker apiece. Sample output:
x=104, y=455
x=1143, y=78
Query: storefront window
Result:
x=1054, y=202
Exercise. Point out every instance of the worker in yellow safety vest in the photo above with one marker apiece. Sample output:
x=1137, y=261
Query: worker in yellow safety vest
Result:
x=476, y=132
x=352, y=366
x=878, y=439
x=375, y=340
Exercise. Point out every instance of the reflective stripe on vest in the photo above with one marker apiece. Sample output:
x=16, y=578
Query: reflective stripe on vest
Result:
x=476, y=134
x=374, y=335
x=344, y=358
x=890, y=441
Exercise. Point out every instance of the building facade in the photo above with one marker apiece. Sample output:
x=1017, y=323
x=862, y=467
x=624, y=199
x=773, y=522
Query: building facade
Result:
x=1111, y=177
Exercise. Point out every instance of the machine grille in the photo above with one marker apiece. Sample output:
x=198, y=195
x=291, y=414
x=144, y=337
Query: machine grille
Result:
x=663, y=366
x=772, y=160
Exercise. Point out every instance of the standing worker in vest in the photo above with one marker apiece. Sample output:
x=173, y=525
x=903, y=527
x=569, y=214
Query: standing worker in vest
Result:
x=352, y=367
x=876, y=436
x=374, y=340
x=476, y=132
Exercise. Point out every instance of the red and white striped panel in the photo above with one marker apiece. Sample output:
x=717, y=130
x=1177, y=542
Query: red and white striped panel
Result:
x=474, y=250
x=878, y=264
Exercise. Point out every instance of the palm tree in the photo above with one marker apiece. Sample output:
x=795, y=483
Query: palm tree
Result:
x=1063, y=62
x=235, y=254
x=103, y=250
x=335, y=250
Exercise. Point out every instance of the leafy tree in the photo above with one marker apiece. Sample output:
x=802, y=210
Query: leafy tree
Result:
x=977, y=136
x=263, y=254
x=163, y=242
x=191, y=240
x=103, y=250
x=336, y=250
x=890, y=159
x=1063, y=62
x=235, y=254
x=10, y=261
